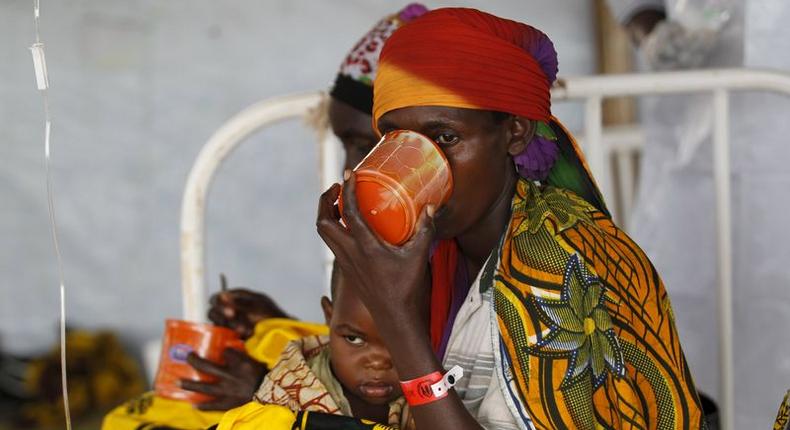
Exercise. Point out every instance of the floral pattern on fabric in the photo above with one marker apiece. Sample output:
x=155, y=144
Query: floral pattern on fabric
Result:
x=580, y=328
x=586, y=333
x=782, y=421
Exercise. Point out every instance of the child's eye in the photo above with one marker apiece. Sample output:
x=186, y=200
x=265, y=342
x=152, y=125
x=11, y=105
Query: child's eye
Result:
x=445, y=139
x=354, y=340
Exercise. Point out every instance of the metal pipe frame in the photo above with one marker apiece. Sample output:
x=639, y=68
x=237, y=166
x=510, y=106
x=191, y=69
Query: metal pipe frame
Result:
x=194, y=292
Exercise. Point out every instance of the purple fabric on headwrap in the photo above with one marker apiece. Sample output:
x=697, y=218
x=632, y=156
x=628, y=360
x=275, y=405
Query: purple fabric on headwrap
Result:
x=542, y=50
x=537, y=159
x=412, y=11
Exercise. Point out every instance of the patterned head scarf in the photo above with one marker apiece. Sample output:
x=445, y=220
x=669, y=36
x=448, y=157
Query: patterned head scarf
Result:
x=471, y=59
x=354, y=81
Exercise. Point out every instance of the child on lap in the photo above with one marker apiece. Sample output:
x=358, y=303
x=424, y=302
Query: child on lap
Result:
x=346, y=374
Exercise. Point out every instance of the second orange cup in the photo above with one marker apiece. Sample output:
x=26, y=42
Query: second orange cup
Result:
x=180, y=338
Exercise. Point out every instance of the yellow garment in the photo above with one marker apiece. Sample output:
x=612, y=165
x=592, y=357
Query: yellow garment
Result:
x=783, y=417
x=151, y=411
x=272, y=335
x=254, y=415
x=257, y=416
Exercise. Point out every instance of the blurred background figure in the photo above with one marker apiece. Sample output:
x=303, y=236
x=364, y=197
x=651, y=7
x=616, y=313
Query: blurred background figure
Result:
x=674, y=213
x=101, y=374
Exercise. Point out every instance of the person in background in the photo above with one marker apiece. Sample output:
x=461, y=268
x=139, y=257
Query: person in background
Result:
x=675, y=207
x=100, y=374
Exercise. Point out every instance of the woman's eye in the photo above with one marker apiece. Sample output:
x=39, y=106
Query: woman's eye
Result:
x=446, y=139
x=354, y=340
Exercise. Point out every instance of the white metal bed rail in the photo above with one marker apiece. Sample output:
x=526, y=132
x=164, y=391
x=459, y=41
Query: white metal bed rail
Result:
x=597, y=146
x=193, y=206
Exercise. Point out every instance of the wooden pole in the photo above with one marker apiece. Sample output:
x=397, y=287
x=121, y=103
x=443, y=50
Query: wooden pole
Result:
x=615, y=55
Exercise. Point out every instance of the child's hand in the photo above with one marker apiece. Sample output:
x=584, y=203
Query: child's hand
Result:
x=238, y=380
x=240, y=309
x=393, y=281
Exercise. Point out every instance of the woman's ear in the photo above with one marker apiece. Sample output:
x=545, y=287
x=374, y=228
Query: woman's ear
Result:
x=326, y=305
x=522, y=130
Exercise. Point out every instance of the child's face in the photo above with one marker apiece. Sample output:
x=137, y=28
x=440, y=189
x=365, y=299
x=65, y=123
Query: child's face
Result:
x=477, y=148
x=360, y=361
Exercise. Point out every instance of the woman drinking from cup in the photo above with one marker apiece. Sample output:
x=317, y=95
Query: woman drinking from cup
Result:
x=557, y=319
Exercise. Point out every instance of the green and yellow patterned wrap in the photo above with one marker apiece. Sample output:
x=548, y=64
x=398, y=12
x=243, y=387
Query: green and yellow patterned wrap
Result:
x=783, y=416
x=587, y=338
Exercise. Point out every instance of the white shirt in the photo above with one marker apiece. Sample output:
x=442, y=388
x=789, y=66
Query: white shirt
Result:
x=472, y=346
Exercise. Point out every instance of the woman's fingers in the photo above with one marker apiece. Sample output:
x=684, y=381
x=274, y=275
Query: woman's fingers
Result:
x=202, y=387
x=350, y=205
x=234, y=357
x=328, y=224
x=207, y=366
x=326, y=206
x=216, y=316
x=343, y=240
x=424, y=232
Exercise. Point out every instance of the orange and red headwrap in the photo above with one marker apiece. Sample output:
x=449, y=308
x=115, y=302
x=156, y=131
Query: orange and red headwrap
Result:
x=469, y=59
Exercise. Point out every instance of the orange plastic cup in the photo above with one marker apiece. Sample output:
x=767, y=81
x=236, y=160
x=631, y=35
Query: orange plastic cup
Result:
x=182, y=337
x=405, y=172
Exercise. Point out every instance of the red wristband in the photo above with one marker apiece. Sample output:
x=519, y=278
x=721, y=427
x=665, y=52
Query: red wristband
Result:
x=418, y=391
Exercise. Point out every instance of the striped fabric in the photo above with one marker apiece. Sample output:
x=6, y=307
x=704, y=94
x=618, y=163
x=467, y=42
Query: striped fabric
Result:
x=470, y=346
x=587, y=332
